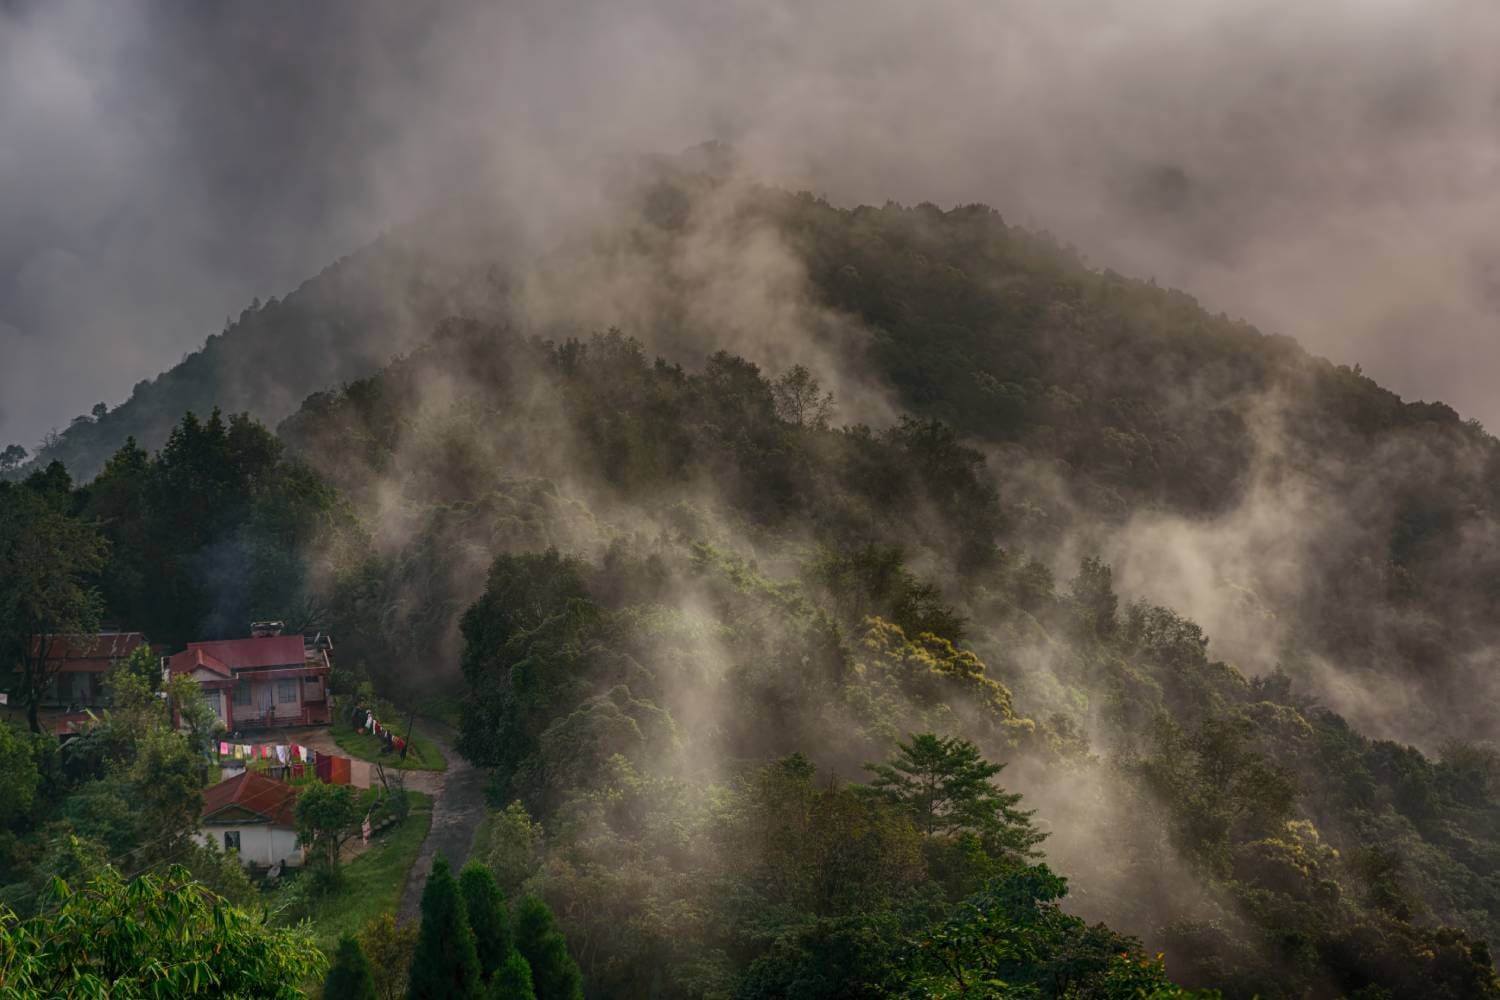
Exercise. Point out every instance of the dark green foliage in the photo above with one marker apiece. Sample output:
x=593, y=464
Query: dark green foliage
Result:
x=445, y=965
x=512, y=980
x=349, y=978
x=48, y=559
x=554, y=973
x=489, y=918
x=1013, y=940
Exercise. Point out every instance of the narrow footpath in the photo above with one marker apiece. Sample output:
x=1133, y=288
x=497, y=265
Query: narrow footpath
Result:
x=457, y=811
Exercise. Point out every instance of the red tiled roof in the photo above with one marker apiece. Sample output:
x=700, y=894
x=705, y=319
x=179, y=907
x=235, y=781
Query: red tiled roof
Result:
x=257, y=793
x=103, y=646
x=194, y=658
x=268, y=651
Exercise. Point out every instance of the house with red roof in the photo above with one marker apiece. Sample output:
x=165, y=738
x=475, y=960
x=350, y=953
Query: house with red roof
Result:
x=261, y=682
x=77, y=664
x=254, y=815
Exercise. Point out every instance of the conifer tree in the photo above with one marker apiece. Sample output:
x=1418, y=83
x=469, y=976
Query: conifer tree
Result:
x=445, y=965
x=489, y=918
x=351, y=977
x=512, y=980
x=554, y=973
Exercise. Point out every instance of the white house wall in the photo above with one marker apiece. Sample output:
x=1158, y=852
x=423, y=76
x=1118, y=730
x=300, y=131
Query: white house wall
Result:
x=259, y=844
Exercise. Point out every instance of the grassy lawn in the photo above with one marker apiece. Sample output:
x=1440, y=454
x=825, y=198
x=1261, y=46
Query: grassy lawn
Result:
x=374, y=880
x=421, y=753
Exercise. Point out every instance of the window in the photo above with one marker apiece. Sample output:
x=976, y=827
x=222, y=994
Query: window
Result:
x=231, y=840
x=286, y=692
x=211, y=699
x=242, y=693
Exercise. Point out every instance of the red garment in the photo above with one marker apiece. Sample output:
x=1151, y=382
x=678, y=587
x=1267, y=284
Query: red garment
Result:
x=323, y=767
x=297, y=770
x=340, y=771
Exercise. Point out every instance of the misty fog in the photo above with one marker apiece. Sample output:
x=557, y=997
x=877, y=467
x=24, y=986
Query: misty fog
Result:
x=1325, y=170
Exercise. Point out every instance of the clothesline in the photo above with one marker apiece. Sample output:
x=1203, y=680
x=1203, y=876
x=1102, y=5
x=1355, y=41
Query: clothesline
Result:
x=363, y=720
x=329, y=768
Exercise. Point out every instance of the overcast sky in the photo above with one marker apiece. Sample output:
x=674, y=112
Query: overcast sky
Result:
x=1329, y=170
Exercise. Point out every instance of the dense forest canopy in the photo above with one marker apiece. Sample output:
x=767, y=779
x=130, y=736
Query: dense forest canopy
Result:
x=849, y=603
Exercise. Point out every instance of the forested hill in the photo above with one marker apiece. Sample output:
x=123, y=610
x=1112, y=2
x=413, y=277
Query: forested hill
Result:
x=1280, y=499
x=748, y=600
x=341, y=324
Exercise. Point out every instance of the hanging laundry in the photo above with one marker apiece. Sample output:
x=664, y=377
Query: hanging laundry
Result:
x=323, y=767
x=340, y=771
x=281, y=753
x=298, y=770
x=223, y=749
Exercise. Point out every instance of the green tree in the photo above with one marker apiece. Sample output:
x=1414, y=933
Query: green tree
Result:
x=800, y=399
x=512, y=980
x=19, y=775
x=11, y=458
x=327, y=816
x=445, y=965
x=1012, y=940
x=389, y=946
x=515, y=840
x=47, y=558
x=1093, y=592
x=489, y=918
x=350, y=977
x=554, y=973
x=150, y=936
x=948, y=788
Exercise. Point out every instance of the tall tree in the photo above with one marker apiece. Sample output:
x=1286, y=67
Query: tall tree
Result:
x=512, y=980
x=389, y=947
x=327, y=816
x=445, y=965
x=949, y=788
x=554, y=973
x=489, y=917
x=350, y=977
x=47, y=559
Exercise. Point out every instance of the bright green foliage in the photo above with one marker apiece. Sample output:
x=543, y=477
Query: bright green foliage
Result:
x=554, y=973
x=150, y=936
x=350, y=977
x=489, y=918
x=327, y=816
x=509, y=846
x=444, y=965
x=389, y=947
x=512, y=980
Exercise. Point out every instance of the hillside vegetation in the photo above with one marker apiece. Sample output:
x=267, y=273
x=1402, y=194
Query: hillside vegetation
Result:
x=811, y=636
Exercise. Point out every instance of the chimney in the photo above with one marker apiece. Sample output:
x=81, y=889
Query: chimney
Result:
x=261, y=630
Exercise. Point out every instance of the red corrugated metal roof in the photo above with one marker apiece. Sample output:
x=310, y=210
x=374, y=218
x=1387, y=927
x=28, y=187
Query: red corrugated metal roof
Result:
x=268, y=651
x=191, y=659
x=104, y=646
x=256, y=793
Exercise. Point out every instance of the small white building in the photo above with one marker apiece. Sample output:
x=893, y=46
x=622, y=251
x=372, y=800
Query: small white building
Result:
x=252, y=814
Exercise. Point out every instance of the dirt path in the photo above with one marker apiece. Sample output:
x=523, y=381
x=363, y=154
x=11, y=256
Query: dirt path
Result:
x=457, y=806
x=457, y=811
